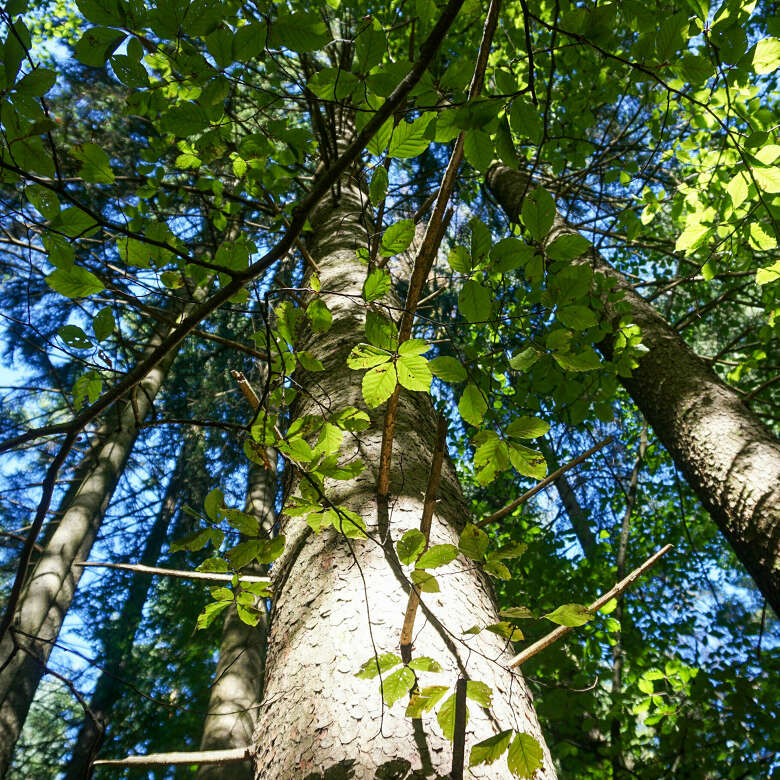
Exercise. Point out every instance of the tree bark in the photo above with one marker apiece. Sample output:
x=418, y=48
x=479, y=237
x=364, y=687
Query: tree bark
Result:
x=119, y=641
x=49, y=591
x=338, y=601
x=729, y=458
x=238, y=680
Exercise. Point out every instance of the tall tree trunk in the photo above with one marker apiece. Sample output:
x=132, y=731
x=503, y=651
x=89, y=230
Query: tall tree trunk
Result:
x=730, y=459
x=49, y=591
x=337, y=601
x=574, y=511
x=119, y=640
x=238, y=680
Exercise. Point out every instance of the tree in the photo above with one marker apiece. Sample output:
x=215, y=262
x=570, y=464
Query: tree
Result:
x=259, y=133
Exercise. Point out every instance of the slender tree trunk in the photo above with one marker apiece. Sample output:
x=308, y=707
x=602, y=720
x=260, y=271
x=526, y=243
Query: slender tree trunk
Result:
x=616, y=740
x=49, y=592
x=574, y=511
x=119, y=641
x=238, y=680
x=337, y=601
x=730, y=459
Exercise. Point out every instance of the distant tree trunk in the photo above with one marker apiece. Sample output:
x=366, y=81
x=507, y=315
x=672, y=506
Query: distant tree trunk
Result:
x=118, y=643
x=238, y=680
x=730, y=459
x=574, y=511
x=51, y=585
x=338, y=601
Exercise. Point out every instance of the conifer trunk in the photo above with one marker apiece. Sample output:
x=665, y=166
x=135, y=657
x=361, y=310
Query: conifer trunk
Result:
x=238, y=680
x=338, y=601
x=728, y=456
x=51, y=586
x=119, y=641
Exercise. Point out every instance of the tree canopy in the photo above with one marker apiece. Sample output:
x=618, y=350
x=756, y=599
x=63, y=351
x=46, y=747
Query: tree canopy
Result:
x=244, y=239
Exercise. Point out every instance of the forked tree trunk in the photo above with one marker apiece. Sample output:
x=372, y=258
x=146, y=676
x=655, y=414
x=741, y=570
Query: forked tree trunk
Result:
x=337, y=602
x=238, y=680
x=730, y=459
x=49, y=591
x=119, y=640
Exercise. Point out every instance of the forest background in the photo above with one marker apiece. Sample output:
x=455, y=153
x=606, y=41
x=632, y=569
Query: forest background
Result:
x=158, y=161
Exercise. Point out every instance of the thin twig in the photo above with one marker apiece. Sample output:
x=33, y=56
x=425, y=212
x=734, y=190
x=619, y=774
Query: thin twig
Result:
x=179, y=573
x=556, y=634
x=550, y=478
x=211, y=757
x=459, y=731
x=246, y=389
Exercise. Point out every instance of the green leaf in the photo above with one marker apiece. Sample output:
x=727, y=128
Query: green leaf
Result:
x=378, y=665
x=74, y=282
x=481, y=240
x=587, y=360
x=248, y=615
x=768, y=275
x=479, y=692
x=478, y=149
x=329, y=440
x=425, y=700
x=567, y=247
x=524, y=120
x=381, y=331
x=103, y=324
x=766, y=58
x=378, y=187
x=366, y=356
x=768, y=179
x=505, y=629
x=527, y=428
x=522, y=361
x=538, y=213
x=184, y=119
x=459, y=260
x=352, y=419
x=370, y=46
x=525, y=756
x=309, y=362
x=424, y=581
x=438, y=555
x=97, y=44
x=491, y=749
x=300, y=32
x=472, y=405
x=492, y=457
x=694, y=235
x=414, y=347
x=74, y=337
x=424, y=664
x=319, y=315
x=350, y=523
x=333, y=84
x=570, y=615
x=129, y=71
x=509, y=254
x=446, y=717
x=44, y=200
x=498, y=569
x=475, y=302
x=378, y=384
x=409, y=139
x=210, y=613
x=378, y=142
x=397, y=238
x=517, y=613
x=74, y=223
x=410, y=545
x=511, y=550
x=448, y=369
x=529, y=463
x=577, y=317
x=413, y=373
x=473, y=542
x=376, y=285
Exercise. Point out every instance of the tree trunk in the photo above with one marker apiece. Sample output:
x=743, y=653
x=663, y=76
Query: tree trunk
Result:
x=338, y=601
x=575, y=513
x=730, y=459
x=49, y=591
x=238, y=680
x=119, y=640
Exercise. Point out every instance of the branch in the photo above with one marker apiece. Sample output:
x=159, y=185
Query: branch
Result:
x=512, y=505
x=459, y=730
x=179, y=573
x=228, y=756
x=557, y=633
x=425, y=527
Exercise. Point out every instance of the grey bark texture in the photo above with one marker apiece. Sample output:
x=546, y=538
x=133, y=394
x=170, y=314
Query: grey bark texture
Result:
x=119, y=642
x=727, y=455
x=337, y=602
x=49, y=591
x=238, y=680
